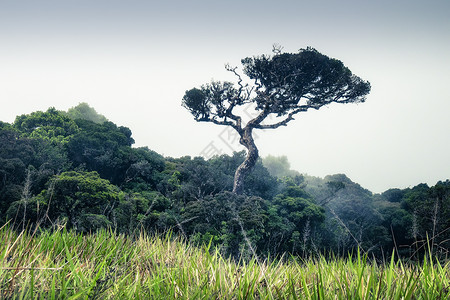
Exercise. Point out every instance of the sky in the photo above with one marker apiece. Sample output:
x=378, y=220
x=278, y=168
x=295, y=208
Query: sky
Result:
x=133, y=60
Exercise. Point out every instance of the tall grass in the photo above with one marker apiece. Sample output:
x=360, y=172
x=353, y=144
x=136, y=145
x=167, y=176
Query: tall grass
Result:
x=66, y=265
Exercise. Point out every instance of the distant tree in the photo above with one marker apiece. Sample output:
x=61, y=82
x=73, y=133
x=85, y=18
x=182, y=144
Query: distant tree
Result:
x=394, y=195
x=397, y=223
x=283, y=85
x=144, y=169
x=279, y=166
x=298, y=210
x=430, y=207
x=85, y=112
x=352, y=219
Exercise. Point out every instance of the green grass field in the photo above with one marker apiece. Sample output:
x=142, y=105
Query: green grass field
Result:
x=65, y=265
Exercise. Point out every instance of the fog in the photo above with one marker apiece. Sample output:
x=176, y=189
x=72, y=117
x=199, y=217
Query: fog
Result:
x=132, y=61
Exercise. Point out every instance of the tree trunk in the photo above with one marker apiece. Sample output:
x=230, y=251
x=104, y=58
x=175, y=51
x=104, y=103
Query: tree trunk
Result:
x=250, y=161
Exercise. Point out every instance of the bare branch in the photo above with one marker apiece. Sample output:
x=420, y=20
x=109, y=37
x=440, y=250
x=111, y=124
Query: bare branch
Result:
x=277, y=48
x=284, y=122
x=236, y=125
x=257, y=83
x=243, y=89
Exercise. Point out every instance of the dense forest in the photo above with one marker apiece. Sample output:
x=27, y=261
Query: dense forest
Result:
x=79, y=170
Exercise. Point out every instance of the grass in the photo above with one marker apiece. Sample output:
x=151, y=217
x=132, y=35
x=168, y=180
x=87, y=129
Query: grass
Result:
x=66, y=265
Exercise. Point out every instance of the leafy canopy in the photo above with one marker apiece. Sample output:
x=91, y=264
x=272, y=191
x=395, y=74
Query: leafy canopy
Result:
x=283, y=84
x=51, y=125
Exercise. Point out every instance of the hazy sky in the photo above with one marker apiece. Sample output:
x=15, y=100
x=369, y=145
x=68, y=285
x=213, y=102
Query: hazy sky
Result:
x=133, y=60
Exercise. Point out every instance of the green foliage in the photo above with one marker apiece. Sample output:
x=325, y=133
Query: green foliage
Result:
x=297, y=207
x=81, y=200
x=144, y=169
x=197, y=178
x=85, y=112
x=398, y=223
x=281, y=82
x=430, y=210
x=234, y=222
x=195, y=101
x=393, y=195
x=51, y=125
x=86, y=175
x=21, y=156
x=80, y=193
x=296, y=214
x=144, y=210
x=104, y=148
x=308, y=73
x=279, y=166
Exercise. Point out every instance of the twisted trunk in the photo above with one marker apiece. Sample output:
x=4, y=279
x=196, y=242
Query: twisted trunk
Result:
x=250, y=160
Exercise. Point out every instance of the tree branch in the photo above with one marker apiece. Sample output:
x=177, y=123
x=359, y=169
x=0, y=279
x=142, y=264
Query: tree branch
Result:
x=244, y=91
x=284, y=122
x=221, y=122
x=236, y=125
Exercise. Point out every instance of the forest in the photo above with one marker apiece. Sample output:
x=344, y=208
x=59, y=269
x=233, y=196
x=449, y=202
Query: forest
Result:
x=77, y=170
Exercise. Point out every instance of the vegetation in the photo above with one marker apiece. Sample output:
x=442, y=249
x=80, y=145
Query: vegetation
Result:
x=85, y=214
x=67, y=265
x=85, y=112
x=284, y=85
x=57, y=171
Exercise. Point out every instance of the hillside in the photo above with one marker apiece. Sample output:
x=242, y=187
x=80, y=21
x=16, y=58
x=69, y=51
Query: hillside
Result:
x=80, y=171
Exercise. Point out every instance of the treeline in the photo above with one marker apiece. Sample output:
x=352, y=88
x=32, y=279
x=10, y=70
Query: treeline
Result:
x=79, y=170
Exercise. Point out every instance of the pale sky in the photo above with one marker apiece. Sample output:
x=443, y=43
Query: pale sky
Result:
x=133, y=60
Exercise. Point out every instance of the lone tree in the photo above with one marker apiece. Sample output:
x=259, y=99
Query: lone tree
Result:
x=282, y=85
